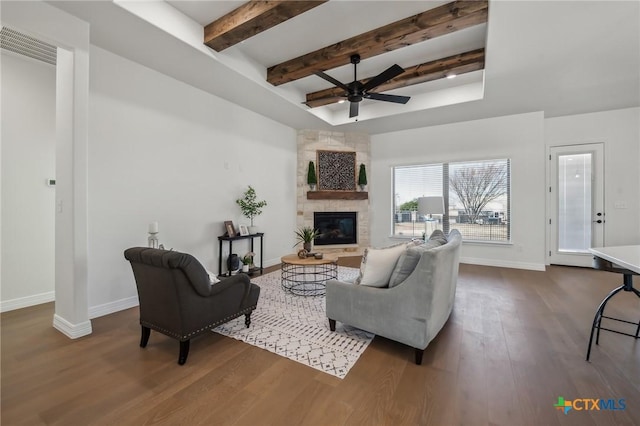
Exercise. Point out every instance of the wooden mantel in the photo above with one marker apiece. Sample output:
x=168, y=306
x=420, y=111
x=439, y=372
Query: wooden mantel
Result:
x=337, y=195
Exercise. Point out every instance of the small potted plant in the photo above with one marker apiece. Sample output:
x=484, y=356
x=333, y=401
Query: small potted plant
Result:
x=312, y=179
x=250, y=206
x=247, y=261
x=362, y=177
x=306, y=235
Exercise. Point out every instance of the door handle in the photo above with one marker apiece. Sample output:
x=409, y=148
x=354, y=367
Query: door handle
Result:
x=599, y=220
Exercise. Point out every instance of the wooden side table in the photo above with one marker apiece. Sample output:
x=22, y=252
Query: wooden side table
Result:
x=308, y=276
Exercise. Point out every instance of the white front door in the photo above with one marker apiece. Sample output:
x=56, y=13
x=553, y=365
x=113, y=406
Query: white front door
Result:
x=576, y=200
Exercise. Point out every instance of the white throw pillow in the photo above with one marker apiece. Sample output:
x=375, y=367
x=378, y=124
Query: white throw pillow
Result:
x=213, y=279
x=378, y=264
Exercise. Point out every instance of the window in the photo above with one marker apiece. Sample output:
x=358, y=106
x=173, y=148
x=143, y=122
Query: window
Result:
x=476, y=197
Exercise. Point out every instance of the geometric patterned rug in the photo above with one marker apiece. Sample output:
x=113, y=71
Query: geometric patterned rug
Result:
x=296, y=327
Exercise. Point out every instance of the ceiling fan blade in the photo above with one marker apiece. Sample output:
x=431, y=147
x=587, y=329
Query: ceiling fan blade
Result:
x=353, y=109
x=391, y=72
x=388, y=98
x=331, y=80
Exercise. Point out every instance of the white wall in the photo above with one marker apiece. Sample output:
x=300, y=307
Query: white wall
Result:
x=619, y=131
x=161, y=150
x=50, y=24
x=518, y=137
x=28, y=160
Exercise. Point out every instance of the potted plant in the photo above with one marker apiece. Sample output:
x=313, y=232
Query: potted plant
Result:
x=312, y=179
x=250, y=207
x=247, y=261
x=362, y=177
x=306, y=235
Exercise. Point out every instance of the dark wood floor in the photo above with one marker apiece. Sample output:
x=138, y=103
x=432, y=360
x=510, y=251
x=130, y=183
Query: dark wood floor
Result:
x=515, y=342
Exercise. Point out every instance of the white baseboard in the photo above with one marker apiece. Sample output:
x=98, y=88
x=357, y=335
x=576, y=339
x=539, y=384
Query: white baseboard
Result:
x=72, y=331
x=111, y=307
x=503, y=263
x=24, y=302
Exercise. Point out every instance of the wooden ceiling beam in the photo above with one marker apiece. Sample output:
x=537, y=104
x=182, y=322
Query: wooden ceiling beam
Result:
x=252, y=18
x=441, y=20
x=429, y=71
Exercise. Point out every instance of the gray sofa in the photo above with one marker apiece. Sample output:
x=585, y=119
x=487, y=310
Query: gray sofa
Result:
x=412, y=312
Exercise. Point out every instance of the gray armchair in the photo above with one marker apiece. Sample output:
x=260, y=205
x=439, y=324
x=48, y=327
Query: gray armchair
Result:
x=178, y=300
x=413, y=311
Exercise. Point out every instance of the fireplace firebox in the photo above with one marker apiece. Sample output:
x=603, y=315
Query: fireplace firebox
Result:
x=335, y=228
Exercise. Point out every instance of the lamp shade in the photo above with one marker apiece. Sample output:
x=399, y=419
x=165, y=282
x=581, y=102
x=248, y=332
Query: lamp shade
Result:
x=430, y=205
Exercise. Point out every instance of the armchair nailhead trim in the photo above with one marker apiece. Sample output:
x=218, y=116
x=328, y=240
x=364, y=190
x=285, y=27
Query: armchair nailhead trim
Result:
x=200, y=330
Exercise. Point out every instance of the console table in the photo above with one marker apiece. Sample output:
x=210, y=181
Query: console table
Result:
x=624, y=260
x=230, y=240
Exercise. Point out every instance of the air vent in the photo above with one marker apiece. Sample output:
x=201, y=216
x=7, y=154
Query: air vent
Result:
x=23, y=44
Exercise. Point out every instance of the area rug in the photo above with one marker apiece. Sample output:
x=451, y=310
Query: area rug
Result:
x=296, y=327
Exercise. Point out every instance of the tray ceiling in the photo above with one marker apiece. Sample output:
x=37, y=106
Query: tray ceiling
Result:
x=554, y=56
x=430, y=40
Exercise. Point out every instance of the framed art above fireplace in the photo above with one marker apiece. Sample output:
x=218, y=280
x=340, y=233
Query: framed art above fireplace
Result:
x=336, y=170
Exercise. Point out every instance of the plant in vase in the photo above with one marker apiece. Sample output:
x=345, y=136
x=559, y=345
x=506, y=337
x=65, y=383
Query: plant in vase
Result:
x=312, y=179
x=362, y=177
x=250, y=207
x=306, y=235
x=247, y=261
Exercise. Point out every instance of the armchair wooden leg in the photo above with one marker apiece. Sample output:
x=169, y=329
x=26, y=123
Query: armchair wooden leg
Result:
x=332, y=324
x=144, y=339
x=419, y=353
x=184, y=352
x=247, y=319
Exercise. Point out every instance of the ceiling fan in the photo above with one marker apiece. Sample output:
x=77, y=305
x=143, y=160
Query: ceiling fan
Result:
x=356, y=91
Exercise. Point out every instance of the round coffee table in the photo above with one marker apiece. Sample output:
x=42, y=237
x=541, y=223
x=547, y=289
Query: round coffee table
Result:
x=307, y=277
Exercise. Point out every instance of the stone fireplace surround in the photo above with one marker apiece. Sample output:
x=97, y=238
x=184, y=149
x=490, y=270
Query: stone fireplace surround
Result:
x=309, y=142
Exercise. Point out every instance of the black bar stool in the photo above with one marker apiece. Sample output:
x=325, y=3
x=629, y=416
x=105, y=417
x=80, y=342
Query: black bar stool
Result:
x=627, y=285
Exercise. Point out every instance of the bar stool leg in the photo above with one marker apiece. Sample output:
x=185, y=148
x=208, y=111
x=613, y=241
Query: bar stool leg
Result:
x=628, y=282
x=598, y=318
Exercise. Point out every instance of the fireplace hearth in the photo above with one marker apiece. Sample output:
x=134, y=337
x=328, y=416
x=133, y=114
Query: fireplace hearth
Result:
x=335, y=228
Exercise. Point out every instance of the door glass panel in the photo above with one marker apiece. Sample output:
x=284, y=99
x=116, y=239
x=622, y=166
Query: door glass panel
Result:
x=574, y=202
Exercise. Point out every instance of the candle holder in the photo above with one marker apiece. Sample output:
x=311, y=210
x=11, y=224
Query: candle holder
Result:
x=153, y=240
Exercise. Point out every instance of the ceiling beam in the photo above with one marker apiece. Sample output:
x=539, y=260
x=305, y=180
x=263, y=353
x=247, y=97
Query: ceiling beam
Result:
x=252, y=18
x=441, y=20
x=429, y=71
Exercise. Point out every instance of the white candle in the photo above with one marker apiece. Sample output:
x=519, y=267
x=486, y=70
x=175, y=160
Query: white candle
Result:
x=153, y=228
